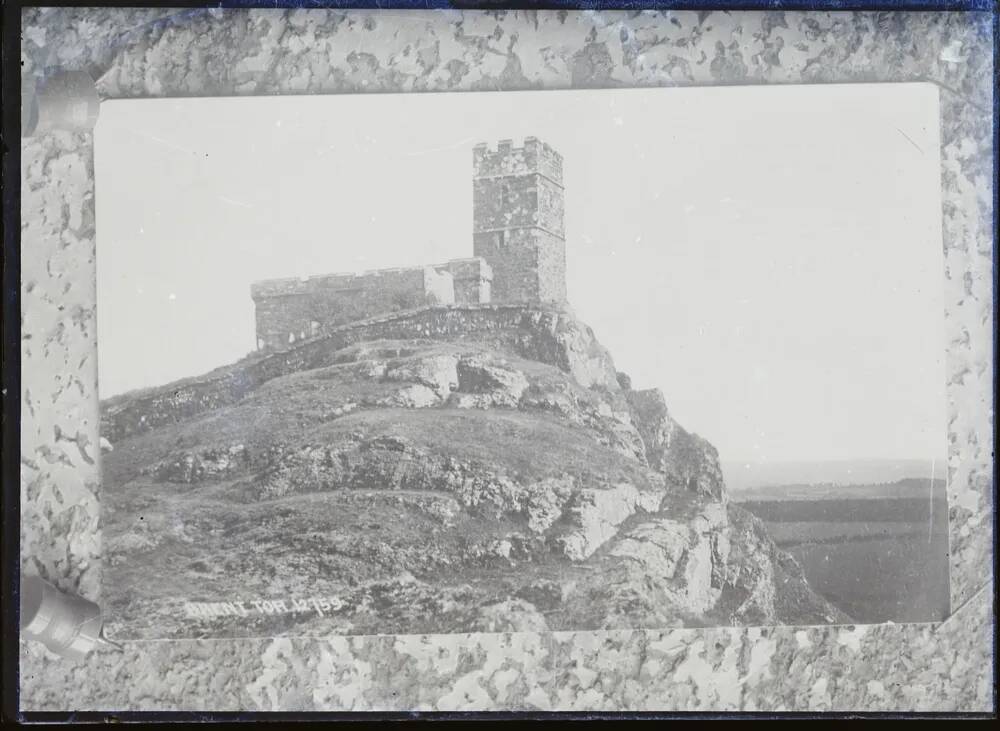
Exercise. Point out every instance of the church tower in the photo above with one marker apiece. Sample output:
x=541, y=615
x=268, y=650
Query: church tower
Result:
x=518, y=220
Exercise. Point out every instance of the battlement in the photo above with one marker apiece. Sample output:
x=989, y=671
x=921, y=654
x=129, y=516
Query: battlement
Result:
x=534, y=157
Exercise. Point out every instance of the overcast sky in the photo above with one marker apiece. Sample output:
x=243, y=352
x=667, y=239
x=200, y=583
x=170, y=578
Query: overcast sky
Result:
x=770, y=257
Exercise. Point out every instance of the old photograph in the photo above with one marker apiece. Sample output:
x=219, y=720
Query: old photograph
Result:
x=521, y=361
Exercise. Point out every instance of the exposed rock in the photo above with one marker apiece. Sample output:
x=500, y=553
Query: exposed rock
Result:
x=416, y=396
x=595, y=409
x=202, y=465
x=594, y=516
x=438, y=373
x=561, y=339
x=679, y=555
x=763, y=584
x=685, y=459
x=545, y=501
x=486, y=384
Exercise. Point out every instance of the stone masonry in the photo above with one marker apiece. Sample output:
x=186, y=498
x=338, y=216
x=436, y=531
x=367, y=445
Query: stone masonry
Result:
x=518, y=220
x=290, y=310
x=518, y=245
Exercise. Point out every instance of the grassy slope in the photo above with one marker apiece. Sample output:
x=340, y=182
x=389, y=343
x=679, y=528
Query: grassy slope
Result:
x=372, y=547
x=301, y=408
x=208, y=542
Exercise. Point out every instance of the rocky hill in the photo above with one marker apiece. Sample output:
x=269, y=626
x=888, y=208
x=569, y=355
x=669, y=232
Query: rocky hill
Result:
x=449, y=469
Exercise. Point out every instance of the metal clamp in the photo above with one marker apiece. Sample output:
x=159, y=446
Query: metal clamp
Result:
x=64, y=100
x=69, y=626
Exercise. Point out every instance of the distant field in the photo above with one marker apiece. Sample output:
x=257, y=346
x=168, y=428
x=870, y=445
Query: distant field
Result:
x=878, y=557
x=793, y=533
x=863, y=510
x=922, y=488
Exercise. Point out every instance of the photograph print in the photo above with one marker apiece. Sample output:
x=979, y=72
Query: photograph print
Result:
x=521, y=361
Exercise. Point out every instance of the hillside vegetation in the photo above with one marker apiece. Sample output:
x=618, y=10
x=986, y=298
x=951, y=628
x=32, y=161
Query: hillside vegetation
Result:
x=424, y=476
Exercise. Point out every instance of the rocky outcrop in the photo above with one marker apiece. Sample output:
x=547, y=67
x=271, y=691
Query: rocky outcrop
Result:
x=201, y=465
x=485, y=384
x=595, y=515
x=489, y=471
x=685, y=556
x=585, y=514
x=684, y=458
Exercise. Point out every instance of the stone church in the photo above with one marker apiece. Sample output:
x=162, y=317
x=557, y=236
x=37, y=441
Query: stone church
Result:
x=518, y=247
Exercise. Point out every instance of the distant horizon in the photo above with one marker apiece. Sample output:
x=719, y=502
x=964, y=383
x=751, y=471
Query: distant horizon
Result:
x=744, y=474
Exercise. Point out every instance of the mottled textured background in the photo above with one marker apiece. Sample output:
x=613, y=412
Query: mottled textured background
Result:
x=141, y=53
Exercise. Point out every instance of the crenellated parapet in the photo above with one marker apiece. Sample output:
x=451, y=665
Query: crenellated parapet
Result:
x=533, y=157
